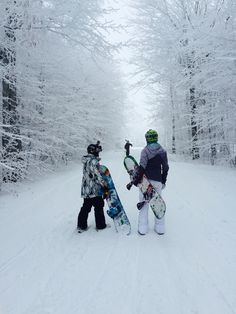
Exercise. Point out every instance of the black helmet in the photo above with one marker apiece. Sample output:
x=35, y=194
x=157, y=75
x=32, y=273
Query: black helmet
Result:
x=94, y=149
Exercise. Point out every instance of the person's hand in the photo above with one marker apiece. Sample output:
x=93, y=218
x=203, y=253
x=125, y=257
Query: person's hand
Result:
x=129, y=185
x=105, y=192
x=163, y=186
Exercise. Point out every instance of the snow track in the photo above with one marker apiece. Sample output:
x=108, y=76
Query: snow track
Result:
x=46, y=267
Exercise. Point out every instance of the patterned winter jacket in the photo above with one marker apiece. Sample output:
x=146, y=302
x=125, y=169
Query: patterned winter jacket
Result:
x=92, y=182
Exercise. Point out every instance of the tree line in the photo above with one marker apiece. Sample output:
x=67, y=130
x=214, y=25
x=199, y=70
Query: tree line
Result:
x=60, y=87
x=186, y=53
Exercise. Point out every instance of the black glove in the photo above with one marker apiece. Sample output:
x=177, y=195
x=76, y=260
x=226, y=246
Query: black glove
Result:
x=105, y=192
x=129, y=185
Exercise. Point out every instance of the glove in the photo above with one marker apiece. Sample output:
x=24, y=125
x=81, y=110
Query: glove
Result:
x=105, y=192
x=129, y=185
x=163, y=186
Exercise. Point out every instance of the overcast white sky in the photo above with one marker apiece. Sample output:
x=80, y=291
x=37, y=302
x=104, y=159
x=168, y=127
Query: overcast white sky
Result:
x=137, y=113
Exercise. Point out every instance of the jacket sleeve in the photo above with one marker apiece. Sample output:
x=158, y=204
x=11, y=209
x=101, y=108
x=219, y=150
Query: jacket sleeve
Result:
x=143, y=159
x=165, y=168
x=139, y=171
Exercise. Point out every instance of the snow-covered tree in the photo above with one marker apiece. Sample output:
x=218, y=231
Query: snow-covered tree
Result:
x=186, y=52
x=66, y=83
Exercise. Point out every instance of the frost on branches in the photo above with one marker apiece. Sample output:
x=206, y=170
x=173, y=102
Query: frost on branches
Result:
x=186, y=53
x=59, y=84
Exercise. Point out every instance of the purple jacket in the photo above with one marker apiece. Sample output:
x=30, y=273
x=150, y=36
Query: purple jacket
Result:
x=154, y=162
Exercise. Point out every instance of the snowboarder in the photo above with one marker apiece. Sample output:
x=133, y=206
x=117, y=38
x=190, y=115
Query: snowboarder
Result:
x=127, y=147
x=154, y=163
x=92, y=190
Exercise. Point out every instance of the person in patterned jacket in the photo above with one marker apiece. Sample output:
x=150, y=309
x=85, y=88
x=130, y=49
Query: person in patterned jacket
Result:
x=92, y=190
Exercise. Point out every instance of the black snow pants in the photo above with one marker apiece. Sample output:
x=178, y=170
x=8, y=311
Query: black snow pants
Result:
x=98, y=204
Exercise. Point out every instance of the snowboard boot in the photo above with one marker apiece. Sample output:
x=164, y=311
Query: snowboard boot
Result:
x=140, y=233
x=107, y=226
x=79, y=230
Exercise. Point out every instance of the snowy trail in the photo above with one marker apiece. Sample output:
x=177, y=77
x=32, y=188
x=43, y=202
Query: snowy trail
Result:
x=46, y=267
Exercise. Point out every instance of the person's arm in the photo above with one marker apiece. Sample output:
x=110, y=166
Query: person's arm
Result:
x=165, y=168
x=143, y=159
x=139, y=172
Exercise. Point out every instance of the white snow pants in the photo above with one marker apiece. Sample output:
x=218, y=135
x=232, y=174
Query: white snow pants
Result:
x=159, y=224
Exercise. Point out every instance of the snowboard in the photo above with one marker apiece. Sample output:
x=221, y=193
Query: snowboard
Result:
x=151, y=196
x=115, y=208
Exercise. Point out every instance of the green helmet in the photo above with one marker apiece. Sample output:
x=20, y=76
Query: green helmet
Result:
x=151, y=136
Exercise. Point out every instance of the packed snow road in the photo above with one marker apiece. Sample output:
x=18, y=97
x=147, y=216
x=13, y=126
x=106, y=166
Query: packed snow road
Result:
x=46, y=267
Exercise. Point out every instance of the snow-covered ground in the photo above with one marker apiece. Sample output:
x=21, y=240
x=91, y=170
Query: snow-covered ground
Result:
x=47, y=268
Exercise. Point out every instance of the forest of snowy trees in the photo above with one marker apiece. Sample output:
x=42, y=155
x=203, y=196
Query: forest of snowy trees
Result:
x=186, y=52
x=60, y=86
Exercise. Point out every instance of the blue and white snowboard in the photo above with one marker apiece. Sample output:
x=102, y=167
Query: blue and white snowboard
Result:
x=115, y=208
x=151, y=196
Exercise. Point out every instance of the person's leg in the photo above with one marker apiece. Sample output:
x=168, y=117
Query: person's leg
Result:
x=143, y=216
x=98, y=204
x=83, y=214
x=159, y=224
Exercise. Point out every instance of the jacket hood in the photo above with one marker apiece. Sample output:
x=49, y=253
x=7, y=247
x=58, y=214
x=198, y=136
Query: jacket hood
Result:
x=89, y=157
x=153, y=147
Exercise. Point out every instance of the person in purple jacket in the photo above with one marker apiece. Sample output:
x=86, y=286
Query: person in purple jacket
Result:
x=154, y=163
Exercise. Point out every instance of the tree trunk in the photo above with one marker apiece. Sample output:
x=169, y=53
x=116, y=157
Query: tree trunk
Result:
x=11, y=144
x=195, y=148
x=173, y=120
